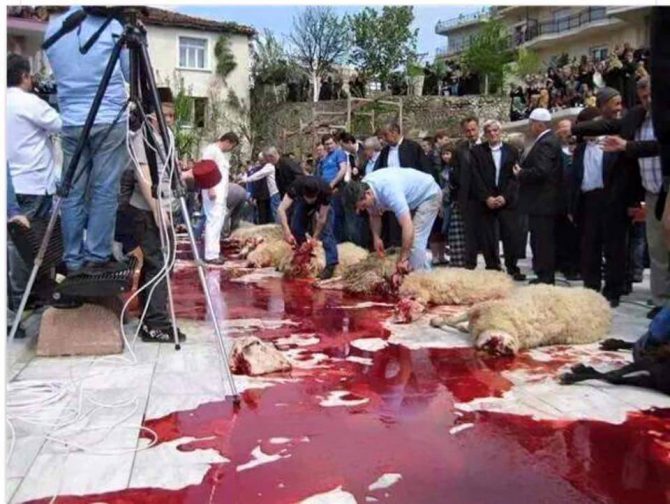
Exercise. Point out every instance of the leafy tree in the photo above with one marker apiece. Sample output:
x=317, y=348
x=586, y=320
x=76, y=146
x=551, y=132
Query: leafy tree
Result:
x=270, y=62
x=382, y=41
x=488, y=53
x=320, y=39
x=225, y=59
x=527, y=62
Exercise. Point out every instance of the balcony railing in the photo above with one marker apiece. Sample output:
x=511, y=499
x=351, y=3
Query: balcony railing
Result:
x=535, y=28
x=443, y=26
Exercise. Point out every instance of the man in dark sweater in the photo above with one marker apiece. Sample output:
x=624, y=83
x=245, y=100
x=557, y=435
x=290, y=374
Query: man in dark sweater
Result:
x=310, y=195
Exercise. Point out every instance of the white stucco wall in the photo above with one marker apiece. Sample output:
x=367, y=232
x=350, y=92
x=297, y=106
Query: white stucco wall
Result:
x=164, y=53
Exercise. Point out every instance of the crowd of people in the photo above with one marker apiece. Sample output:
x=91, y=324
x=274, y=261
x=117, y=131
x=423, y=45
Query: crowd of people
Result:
x=583, y=194
x=575, y=83
x=579, y=192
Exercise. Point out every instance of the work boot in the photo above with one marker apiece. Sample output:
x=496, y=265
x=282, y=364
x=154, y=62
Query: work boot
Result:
x=327, y=272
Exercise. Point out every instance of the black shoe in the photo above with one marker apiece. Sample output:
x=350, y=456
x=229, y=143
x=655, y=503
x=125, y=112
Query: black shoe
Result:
x=63, y=302
x=653, y=312
x=327, y=272
x=155, y=335
x=517, y=276
x=181, y=335
x=572, y=277
x=537, y=281
x=614, y=301
x=638, y=277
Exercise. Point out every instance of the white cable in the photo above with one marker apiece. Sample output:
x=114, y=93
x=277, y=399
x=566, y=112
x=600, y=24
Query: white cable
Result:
x=33, y=401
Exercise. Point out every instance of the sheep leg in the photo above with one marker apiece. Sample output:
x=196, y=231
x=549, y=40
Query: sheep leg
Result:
x=458, y=321
x=334, y=283
x=619, y=376
x=614, y=344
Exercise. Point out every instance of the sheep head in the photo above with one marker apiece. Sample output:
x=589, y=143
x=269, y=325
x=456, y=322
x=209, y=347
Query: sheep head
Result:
x=496, y=342
x=408, y=310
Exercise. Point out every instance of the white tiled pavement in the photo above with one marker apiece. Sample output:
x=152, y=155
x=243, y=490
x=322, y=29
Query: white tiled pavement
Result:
x=165, y=380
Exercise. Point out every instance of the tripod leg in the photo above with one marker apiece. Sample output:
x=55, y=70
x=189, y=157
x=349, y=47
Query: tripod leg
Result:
x=167, y=257
x=39, y=259
x=208, y=297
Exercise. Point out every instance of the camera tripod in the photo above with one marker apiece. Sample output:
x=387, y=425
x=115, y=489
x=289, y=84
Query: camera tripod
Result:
x=144, y=95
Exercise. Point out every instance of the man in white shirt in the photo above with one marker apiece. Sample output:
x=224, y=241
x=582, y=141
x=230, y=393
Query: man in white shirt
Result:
x=268, y=172
x=30, y=124
x=371, y=148
x=214, y=199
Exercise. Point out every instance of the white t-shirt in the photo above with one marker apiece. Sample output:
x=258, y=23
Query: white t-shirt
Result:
x=222, y=160
x=30, y=122
x=267, y=173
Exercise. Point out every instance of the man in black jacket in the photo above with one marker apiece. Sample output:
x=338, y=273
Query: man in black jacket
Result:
x=463, y=249
x=287, y=170
x=600, y=205
x=632, y=138
x=399, y=152
x=540, y=183
x=497, y=191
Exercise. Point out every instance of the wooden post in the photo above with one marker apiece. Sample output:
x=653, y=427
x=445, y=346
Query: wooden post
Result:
x=400, y=115
x=372, y=121
x=349, y=114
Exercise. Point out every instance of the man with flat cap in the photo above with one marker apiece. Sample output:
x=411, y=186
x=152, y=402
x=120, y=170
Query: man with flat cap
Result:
x=540, y=179
x=631, y=173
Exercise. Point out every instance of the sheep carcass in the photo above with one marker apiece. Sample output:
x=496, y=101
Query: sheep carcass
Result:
x=448, y=286
x=537, y=315
x=252, y=356
x=269, y=254
x=308, y=260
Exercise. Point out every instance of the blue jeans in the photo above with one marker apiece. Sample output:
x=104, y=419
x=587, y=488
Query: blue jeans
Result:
x=658, y=333
x=275, y=201
x=300, y=222
x=93, y=199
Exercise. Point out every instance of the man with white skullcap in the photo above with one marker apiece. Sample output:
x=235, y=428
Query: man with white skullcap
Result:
x=540, y=185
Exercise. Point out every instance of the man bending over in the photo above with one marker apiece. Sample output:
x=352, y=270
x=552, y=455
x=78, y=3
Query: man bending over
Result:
x=310, y=195
x=401, y=191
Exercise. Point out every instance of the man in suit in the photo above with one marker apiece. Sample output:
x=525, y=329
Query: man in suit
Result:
x=631, y=151
x=399, y=152
x=567, y=233
x=539, y=177
x=497, y=191
x=464, y=249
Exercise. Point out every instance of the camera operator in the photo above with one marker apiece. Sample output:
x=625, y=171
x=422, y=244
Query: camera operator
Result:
x=92, y=202
x=30, y=158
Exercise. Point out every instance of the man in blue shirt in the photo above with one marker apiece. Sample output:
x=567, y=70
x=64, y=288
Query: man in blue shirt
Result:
x=401, y=191
x=332, y=169
x=93, y=199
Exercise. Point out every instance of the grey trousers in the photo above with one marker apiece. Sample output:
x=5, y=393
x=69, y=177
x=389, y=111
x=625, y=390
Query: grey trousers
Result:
x=659, y=258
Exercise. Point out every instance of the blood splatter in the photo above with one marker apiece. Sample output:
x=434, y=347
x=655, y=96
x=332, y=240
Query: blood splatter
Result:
x=403, y=427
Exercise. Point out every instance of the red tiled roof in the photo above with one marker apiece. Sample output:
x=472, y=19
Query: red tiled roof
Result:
x=154, y=16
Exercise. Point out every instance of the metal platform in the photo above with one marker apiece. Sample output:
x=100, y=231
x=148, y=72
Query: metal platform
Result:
x=97, y=285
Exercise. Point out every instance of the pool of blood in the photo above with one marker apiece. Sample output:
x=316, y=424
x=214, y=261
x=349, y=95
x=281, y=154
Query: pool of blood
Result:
x=404, y=425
